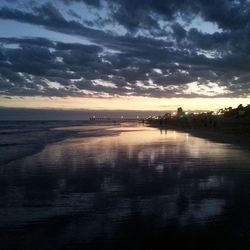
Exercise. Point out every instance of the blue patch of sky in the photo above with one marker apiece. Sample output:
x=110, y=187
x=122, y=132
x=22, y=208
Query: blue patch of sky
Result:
x=16, y=29
x=200, y=24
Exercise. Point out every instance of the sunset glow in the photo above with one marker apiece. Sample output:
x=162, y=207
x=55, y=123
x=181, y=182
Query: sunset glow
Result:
x=124, y=103
x=114, y=55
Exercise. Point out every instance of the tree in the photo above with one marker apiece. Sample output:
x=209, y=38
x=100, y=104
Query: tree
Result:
x=179, y=111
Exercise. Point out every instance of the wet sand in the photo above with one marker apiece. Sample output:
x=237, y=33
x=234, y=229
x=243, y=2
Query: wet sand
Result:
x=127, y=187
x=216, y=135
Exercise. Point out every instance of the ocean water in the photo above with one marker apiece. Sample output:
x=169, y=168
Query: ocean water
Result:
x=21, y=138
x=79, y=185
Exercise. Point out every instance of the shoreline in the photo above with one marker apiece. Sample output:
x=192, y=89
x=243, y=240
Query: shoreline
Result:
x=215, y=135
x=58, y=135
x=49, y=136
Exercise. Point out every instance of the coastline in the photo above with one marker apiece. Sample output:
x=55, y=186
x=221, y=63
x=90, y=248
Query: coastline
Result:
x=214, y=134
x=27, y=145
x=34, y=141
x=31, y=142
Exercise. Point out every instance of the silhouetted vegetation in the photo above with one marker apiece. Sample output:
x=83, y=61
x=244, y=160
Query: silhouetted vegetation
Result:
x=240, y=111
x=228, y=120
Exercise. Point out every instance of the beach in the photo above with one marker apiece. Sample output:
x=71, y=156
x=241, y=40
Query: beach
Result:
x=125, y=186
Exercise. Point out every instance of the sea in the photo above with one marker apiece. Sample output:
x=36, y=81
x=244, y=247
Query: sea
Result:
x=96, y=185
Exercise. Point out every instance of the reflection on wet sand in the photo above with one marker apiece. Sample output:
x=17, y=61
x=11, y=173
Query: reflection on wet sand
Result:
x=141, y=186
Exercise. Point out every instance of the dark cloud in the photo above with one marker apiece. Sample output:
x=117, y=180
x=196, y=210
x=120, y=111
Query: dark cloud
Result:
x=50, y=17
x=92, y=3
x=73, y=14
x=179, y=31
x=160, y=62
x=228, y=14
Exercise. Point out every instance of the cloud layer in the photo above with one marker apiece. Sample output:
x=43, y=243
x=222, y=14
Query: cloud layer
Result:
x=174, y=48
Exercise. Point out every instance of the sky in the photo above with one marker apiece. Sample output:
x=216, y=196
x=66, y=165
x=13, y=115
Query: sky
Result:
x=124, y=54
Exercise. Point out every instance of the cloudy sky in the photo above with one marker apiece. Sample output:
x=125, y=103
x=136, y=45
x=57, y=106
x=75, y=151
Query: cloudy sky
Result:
x=124, y=54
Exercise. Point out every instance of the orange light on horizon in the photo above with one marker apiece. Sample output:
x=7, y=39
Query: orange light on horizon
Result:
x=123, y=103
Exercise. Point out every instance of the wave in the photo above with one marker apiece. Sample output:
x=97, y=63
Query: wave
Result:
x=23, y=138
